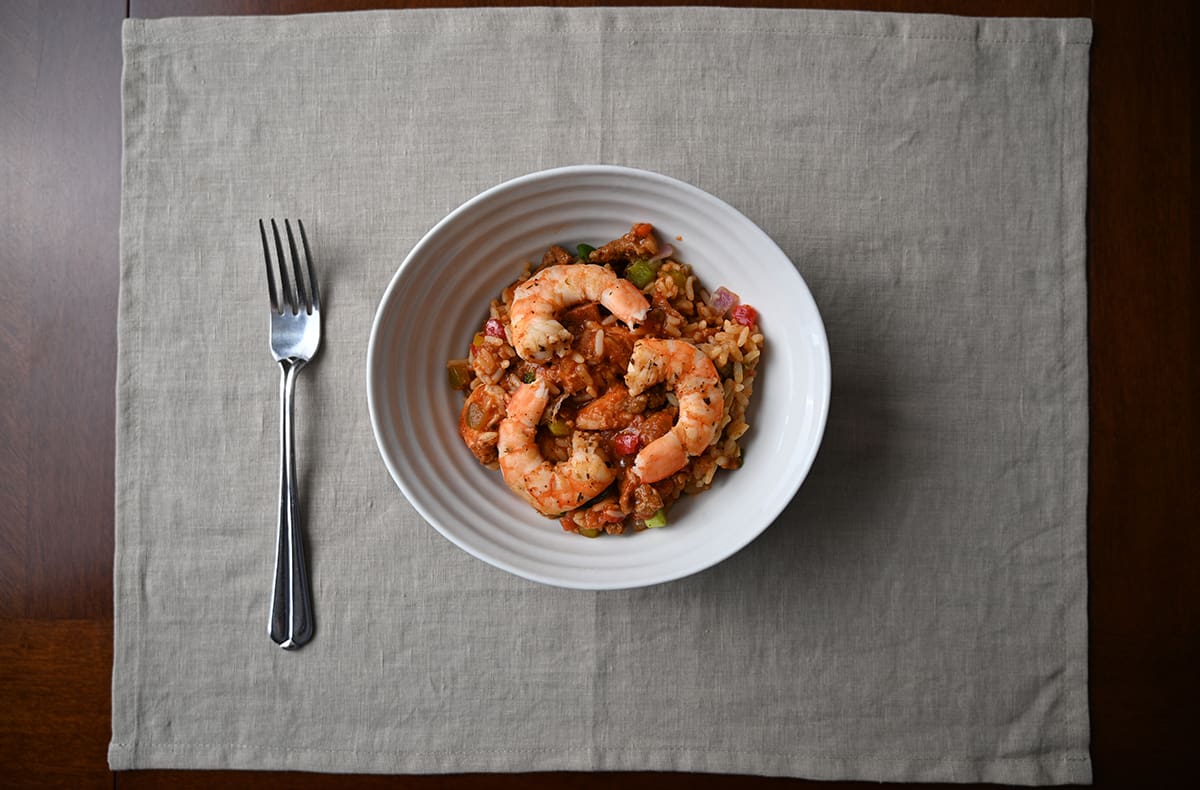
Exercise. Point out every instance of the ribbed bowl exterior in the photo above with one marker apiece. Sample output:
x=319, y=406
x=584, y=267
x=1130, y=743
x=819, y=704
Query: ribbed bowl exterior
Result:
x=438, y=299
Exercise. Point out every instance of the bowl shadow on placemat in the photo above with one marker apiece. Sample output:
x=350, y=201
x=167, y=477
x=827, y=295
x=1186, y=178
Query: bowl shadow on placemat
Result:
x=845, y=498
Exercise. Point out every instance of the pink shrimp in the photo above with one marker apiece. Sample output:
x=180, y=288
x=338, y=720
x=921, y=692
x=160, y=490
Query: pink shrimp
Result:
x=537, y=334
x=691, y=374
x=552, y=489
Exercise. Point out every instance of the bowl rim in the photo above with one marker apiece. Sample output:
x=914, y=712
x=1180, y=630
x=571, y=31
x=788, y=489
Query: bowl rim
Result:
x=431, y=237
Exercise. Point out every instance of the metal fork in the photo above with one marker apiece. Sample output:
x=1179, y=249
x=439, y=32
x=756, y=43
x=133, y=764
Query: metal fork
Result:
x=295, y=336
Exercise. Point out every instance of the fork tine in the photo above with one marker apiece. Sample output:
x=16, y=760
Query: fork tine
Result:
x=262, y=230
x=312, y=276
x=284, y=286
x=302, y=302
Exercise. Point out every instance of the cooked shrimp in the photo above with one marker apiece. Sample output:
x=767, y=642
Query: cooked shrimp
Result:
x=691, y=374
x=537, y=334
x=552, y=489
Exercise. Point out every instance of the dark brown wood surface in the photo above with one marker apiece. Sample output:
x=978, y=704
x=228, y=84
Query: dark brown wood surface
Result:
x=60, y=152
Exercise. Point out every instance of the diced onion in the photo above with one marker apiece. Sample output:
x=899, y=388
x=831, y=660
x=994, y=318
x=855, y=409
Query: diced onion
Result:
x=664, y=252
x=723, y=300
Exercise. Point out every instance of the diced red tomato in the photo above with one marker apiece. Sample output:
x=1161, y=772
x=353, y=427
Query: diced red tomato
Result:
x=744, y=314
x=494, y=327
x=642, y=229
x=626, y=443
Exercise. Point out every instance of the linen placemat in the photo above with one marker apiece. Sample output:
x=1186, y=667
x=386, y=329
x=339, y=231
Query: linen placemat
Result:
x=917, y=613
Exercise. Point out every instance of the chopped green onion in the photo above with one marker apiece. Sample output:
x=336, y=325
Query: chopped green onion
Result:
x=529, y=377
x=589, y=532
x=559, y=428
x=584, y=250
x=641, y=272
x=659, y=519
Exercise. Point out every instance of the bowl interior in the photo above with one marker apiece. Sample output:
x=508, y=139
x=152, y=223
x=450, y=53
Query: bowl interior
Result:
x=439, y=298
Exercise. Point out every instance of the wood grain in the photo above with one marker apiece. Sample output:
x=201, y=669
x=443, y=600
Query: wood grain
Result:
x=19, y=52
x=1142, y=337
x=60, y=306
x=150, y=9
x=59, y=199
x=55, y=677
x=60, y=152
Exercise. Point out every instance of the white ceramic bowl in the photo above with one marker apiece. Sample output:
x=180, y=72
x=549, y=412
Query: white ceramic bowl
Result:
x=439, y=298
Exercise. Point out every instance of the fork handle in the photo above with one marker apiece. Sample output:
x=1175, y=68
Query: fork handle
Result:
x=291, y=623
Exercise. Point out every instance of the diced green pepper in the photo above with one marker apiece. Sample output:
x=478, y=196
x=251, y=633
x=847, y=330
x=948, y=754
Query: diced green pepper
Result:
x=459, y=374
x=559, y=428
x=589, y=532
x=584, y=250
x=659, y=519
x=641, y=272
x=679, y=277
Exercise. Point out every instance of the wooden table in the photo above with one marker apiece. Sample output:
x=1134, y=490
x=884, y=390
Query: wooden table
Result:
x=60, y=154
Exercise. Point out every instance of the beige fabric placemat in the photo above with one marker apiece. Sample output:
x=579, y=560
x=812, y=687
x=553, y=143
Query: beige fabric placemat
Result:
x=917, y=613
